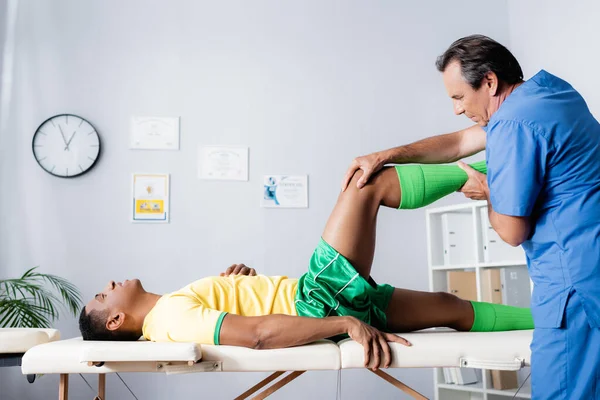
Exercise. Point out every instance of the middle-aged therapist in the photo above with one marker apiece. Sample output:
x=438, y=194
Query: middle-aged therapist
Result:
x=543, y=191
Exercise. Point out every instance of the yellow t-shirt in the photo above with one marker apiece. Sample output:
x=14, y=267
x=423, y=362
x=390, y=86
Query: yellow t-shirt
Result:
x=195, y=313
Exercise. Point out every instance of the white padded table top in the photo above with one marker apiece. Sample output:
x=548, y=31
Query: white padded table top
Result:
x=492, y=350
x=19, y=340
x=321, y=355
x=497, y=350
x=142, y=350
x=71, y=356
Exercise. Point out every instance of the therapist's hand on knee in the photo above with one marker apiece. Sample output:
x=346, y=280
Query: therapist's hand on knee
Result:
x=476, y=188
x=375, y=343
x=239, y=269
x=370, y=164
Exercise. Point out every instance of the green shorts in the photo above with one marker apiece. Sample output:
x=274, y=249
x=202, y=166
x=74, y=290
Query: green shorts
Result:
x=332, y=287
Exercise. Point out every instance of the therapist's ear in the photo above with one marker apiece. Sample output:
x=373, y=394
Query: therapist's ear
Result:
x=115, y=321
x=491, y=83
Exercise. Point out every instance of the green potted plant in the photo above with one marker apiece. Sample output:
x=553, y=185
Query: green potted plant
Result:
x=33, y=300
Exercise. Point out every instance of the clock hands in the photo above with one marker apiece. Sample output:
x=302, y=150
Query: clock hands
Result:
x=63, y=135
x=69, y=142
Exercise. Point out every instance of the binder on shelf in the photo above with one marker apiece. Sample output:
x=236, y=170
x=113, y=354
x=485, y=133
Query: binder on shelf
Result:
x=457, y=239
x=491, y=286
x=494, y=248
x=516, y=289
x=502, y=380
x=466, y=376
x=462, y=284
x=447, y=378
x=459, y=376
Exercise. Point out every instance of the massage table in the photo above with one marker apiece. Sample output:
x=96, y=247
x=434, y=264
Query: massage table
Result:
x=14, y=342
x=430, y=348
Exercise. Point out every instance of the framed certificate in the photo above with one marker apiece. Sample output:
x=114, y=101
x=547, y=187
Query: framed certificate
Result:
x=223, y=163
x=154, y=133
x=285, y=191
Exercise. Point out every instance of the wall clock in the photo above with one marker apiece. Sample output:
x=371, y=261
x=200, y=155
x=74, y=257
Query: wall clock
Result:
x=66, y=145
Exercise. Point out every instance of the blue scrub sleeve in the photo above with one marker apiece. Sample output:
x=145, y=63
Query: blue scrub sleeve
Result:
x=516, y=156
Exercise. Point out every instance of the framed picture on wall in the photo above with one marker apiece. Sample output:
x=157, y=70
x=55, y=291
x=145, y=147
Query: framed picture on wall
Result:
x=154, y=133
x=285, y=191
x=226, y=163
x=150, y=198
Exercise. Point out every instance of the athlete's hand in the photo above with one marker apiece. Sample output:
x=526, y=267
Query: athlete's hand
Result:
x=369, y=164
x=239, y=269
x=375, y=343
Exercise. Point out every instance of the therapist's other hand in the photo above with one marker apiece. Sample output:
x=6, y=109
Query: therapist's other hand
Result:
x=369, y=164
x=239, y=269
x=375, y=343
x=476, y=188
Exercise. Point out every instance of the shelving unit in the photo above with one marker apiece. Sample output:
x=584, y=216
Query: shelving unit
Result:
x=460, y=238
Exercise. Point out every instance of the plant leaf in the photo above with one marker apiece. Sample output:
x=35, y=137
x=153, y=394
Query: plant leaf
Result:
x=22, y=313
x=27, y=302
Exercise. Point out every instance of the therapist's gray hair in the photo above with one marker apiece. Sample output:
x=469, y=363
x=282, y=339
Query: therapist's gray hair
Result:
x=478, y=55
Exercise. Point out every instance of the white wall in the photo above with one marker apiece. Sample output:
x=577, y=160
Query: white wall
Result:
x=562, y=38
x=3, y=29
x=306, y=85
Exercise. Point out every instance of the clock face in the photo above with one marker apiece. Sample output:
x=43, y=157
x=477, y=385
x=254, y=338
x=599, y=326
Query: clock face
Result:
x=66, y=145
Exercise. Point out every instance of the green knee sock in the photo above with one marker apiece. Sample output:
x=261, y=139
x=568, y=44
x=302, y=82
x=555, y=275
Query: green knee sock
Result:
x=422, y=184
x=498, y=317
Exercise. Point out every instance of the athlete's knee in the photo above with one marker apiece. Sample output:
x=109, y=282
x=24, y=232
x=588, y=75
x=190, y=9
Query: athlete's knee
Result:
x=366, y=191
x=382, y=188
x=459, y=311
x=446, y=298
x=452, y=302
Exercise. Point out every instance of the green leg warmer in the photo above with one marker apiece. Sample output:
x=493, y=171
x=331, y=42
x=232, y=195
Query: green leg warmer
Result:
x=422, y=184
x=499, y=317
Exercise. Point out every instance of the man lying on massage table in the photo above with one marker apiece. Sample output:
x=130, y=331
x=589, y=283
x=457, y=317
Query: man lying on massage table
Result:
x=337, y=296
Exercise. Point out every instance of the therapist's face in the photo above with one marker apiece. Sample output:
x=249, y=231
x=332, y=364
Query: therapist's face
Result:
x=477, y=105
x=119, y=299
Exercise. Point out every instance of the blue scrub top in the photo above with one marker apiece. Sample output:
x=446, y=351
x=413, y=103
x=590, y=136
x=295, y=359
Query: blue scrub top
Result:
x=543, y=159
